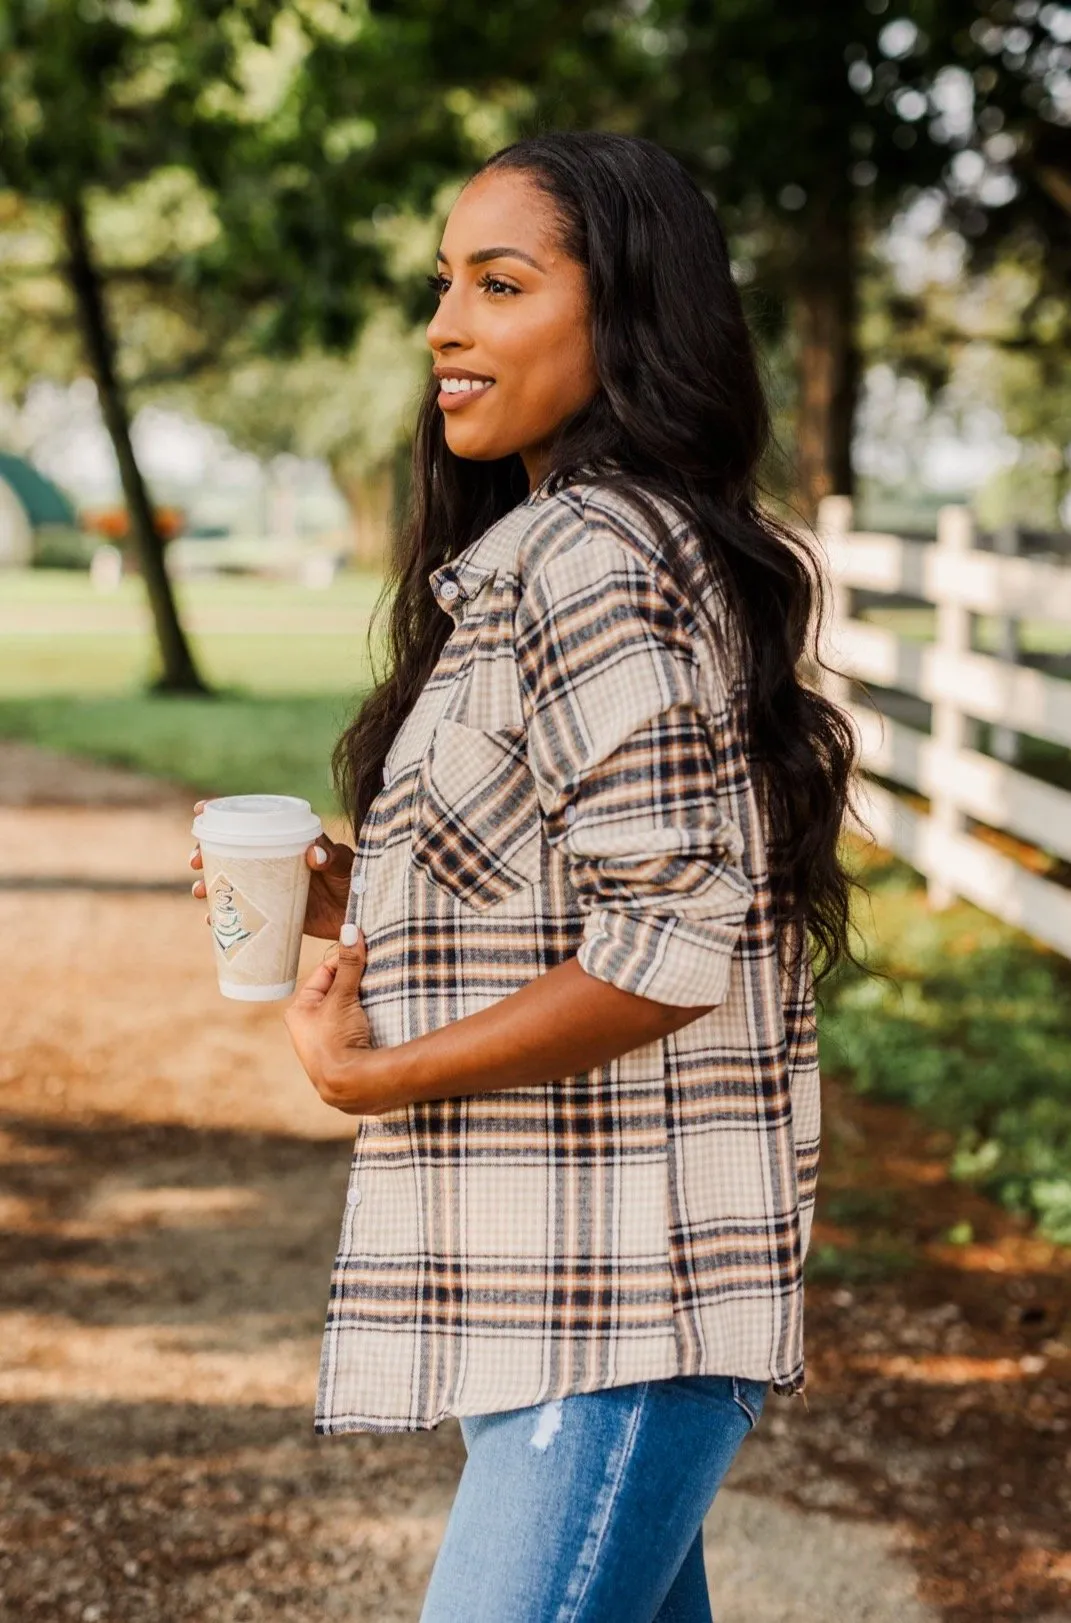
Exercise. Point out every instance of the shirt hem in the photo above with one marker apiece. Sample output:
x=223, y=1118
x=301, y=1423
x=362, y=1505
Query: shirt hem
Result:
x=790, y=1385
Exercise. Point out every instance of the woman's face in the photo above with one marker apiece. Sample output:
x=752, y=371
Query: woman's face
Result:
x=512, y=321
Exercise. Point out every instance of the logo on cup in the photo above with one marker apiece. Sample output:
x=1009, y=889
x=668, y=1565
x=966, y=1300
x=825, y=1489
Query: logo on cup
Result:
x=234, y=918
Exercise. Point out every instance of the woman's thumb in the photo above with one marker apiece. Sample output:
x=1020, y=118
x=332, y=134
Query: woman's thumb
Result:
x=352, y=953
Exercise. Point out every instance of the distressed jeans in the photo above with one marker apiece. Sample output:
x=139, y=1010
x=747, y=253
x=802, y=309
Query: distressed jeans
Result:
x=590, y=1509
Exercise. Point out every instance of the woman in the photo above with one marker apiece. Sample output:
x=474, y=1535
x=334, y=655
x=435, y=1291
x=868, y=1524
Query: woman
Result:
x=596, y=865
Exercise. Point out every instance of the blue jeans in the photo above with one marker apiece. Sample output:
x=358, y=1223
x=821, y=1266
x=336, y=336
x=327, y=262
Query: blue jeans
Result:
x=590, y=1509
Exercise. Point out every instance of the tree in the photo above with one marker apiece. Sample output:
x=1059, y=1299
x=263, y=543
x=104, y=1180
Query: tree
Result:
x=802, y=123
x=204, y=184
x=1011, y=198
x=91, y=104
x=989, y=340
x=998, y=330
x=810, y=126
x=305, y=131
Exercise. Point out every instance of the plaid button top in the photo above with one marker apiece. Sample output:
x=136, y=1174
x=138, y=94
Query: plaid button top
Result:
x=572, y=781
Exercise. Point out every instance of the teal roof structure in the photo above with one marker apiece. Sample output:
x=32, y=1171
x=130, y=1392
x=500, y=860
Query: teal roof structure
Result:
x=44, y=502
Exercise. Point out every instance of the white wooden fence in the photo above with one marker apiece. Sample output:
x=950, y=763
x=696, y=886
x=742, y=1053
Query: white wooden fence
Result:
x=963, y=687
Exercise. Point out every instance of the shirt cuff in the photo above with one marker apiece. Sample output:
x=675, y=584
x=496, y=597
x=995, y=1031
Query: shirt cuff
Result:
x=676, y=960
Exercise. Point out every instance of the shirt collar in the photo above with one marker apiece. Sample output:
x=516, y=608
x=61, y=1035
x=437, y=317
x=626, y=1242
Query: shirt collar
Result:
x=456, y=583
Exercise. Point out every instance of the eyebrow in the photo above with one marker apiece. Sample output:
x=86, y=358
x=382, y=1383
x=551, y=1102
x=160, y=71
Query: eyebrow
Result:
x=482, y=255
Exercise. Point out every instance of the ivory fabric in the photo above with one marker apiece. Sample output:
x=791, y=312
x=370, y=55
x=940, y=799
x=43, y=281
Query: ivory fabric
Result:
x=573, y=780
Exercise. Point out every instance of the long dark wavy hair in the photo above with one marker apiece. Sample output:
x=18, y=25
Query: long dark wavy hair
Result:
x=680, y=413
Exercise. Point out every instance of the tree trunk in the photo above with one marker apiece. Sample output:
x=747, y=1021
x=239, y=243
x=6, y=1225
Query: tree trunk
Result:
x=824, y=317
x=369, y=495
x=179, y=671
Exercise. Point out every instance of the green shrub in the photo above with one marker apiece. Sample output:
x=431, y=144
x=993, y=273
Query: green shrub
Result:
x=61, y=546
x=972, y=1028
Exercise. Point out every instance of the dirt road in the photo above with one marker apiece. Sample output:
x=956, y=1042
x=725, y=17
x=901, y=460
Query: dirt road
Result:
x=171, y=1192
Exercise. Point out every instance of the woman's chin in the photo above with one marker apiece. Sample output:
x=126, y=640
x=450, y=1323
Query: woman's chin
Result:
x=475, y=447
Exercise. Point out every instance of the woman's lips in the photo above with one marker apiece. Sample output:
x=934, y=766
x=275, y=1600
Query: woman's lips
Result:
x=454, y=399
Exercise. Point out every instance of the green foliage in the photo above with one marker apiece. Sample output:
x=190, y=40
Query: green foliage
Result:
x=241, y=167
x=61, y=546
x=875, y=1249
x=1030, y=493
x=353, y=409
x=863, y=1264
x=973, y=1028
x=255, y=176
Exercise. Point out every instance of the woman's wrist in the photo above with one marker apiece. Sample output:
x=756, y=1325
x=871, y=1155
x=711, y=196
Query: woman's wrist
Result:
x=382, y=1074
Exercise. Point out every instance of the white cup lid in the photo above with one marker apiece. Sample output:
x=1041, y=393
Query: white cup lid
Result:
x=256, y=820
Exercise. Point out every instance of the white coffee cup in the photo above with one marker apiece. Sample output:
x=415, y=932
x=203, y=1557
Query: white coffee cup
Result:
x=257, y=885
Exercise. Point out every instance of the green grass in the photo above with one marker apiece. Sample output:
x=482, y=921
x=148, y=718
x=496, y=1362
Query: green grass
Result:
x=100, y=666
x=920, y=625
x=317, y=642
x=237, y=744
x=281, y=699
x=973, y=1029
x=351, y=588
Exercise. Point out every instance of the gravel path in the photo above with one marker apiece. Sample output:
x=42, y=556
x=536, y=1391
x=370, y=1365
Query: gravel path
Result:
x=170, y=1204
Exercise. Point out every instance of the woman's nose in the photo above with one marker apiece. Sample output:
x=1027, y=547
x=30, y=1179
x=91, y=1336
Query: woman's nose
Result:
x=446, y=326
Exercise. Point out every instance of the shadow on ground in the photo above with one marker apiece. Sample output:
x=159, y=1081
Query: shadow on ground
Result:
x=163, y=1292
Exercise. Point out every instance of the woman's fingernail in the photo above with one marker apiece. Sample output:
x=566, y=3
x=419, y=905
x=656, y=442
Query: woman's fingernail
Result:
x=319, y=855
x=193, y=887
x=194, y=852
x=349, y=935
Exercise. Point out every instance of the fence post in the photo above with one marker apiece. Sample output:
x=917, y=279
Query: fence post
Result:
x=1005, y=740
x=950, y=726
x=835, y=516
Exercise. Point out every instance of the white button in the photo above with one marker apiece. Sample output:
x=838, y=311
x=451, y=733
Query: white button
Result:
x=570, y=814
x=449, y=589
x=357, y=883
x=353, y=1197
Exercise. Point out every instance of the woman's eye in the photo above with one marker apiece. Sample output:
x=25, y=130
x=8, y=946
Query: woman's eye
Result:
x=492, y=284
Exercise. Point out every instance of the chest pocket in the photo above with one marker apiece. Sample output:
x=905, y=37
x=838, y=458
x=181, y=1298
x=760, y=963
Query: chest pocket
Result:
x=477, y=831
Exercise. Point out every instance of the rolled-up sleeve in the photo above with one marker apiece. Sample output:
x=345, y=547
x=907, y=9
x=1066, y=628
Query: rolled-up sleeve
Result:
x=624, y=760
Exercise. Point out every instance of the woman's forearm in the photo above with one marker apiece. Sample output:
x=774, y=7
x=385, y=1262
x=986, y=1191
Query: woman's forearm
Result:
x=565, y=1022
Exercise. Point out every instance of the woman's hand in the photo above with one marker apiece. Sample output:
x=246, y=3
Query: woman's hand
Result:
x=329, y=885
x=331, y=1035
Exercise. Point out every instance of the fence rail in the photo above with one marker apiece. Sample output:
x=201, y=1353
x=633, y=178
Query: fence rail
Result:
x=963, y=687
